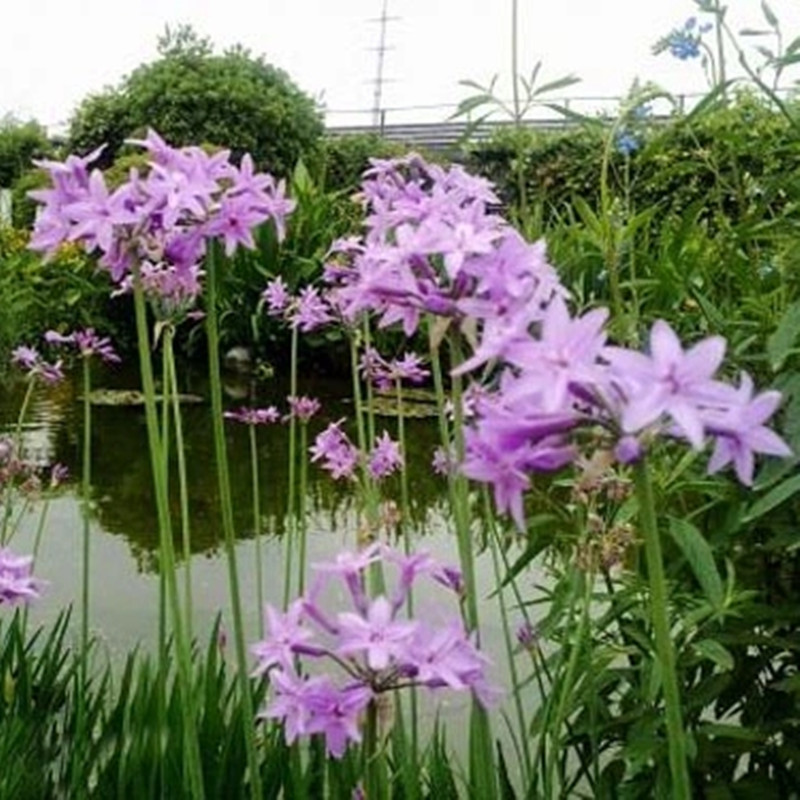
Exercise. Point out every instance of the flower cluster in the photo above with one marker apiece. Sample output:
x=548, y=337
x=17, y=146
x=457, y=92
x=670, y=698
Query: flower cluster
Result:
x=17, y=584
x=433, y=245
x=375, y=649
x=340, y=457
x=87, y=343
x=684, y=43
x=565, y=379
x=172, y=291
x=385, y=374
x=306, y=311
x=29, y=359
x=163, y=218
x=302, y=408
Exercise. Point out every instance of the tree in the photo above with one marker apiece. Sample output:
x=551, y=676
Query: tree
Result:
x=192, y=96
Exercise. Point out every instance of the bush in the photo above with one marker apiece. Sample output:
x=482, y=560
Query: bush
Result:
x=739, y=160
x=191, y=96
x=20, y=142
x=64, y=293
x=344, y=158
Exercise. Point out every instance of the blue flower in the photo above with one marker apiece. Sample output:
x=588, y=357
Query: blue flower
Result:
x=683, y=46
x=627, y=143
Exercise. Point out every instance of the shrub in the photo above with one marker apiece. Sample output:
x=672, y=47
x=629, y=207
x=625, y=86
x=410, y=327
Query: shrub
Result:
x=20, y=142
x=191, y=95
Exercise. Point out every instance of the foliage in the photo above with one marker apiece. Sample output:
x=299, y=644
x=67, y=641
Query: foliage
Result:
x=191, y=95
x=20, y=143
x=37, y=296
x=319, y=217
x=344, y=159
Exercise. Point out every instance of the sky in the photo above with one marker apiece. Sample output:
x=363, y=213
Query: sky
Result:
x=53, y=53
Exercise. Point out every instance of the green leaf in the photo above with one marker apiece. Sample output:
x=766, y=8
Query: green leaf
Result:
x=772, y=499
x=754, y=32
x=791, y=684
x=714, y=651
x=698, y=553
x=560, y=83
x=713, y=730
x=471, y=103
x=769, y=15
x=782, y=341
x=793, y=46
x=766, y=52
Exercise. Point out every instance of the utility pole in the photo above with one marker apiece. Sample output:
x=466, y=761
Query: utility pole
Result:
x=383, y=19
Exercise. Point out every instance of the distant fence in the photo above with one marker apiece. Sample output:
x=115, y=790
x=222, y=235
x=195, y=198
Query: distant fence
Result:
x=433, y=126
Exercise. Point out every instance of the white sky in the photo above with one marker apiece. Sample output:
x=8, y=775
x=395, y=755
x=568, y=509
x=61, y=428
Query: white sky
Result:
x=55, y=52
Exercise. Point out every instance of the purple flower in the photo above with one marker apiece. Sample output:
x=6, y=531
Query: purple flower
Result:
x=408, y=368
x=445, y=657
x=172, y=290
x=628, y=450
x=284, y=637
x=58, y=474
x=527, y=635
x=739, y=431
x=311, y=311
x=29, y=359
x=336, y=452
x=373, y=649
x=26, y=357
x=17, y=585
x=162, y=218
x=276, y=296
x=87, y=343
x=303, y=408
x=335, y=713
x=669, y=381
x=376, y=634
x=290, y=703
x=385, y=457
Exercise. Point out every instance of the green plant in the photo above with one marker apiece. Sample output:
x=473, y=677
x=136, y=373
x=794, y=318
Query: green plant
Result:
x=192, y=95
x=20, y=143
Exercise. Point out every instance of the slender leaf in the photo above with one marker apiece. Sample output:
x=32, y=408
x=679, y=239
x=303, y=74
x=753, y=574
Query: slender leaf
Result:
x=772, y=499
x=698, y=553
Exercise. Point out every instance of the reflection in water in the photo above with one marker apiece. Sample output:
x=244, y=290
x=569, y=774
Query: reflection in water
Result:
x=124, y=533
x=122, y=485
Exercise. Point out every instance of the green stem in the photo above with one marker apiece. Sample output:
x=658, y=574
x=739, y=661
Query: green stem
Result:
x=227, y=517
x=522, y=725
x=256, y=486
x=291, y=517
x=86, y=490
x=191, y=745
x=681, y=787
x=78, y=776
x=302, y=522
x=183, y=482
x=566, y=687
x=482, y=775
x=5, y=536
x=718, y=29
x=405, y=528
